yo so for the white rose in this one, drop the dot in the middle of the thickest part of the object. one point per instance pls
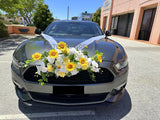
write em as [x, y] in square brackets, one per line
[95, 64]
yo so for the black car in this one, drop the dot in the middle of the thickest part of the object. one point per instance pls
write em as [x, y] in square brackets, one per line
[78, 89]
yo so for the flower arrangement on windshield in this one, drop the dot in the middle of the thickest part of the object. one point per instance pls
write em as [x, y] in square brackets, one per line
[64, 61]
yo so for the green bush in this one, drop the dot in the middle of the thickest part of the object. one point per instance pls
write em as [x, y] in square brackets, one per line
[15, 22]
[3, 30]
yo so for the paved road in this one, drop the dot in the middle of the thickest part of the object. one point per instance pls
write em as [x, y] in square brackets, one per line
[140, 101]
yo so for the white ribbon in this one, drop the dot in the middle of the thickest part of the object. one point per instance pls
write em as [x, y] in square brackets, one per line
[80, 46]
[51, 40]
[89, 41]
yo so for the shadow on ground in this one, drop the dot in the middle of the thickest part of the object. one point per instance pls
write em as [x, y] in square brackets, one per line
[10, 43]
[104, 111]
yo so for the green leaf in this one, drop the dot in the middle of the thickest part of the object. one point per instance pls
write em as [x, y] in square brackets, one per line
[45, 54]
[96, 52]
[85, 53]
[71, 57]
[42, 83]
[101, 54]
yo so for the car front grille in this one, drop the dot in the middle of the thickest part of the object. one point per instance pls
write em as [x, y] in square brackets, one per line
[81, 78]
[69, 99]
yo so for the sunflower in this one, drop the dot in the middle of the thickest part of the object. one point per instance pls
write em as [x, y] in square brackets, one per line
[82, 61]
[36, 56]
[53, 53]
[70, 66]
[65, 51]
[99, 58]
[61, 45]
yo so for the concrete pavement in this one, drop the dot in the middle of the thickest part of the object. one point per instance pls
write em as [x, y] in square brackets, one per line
[140, 101]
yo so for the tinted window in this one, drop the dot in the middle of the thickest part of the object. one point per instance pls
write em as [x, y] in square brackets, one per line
[73, 29]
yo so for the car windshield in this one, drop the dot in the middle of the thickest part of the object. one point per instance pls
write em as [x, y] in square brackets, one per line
[73, 29]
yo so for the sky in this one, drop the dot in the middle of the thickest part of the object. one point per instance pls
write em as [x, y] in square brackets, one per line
[59, 7]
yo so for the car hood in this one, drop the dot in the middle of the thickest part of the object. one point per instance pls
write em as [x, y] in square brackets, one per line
[39, 44]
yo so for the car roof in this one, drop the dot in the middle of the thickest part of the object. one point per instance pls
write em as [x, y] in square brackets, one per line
[74, 21]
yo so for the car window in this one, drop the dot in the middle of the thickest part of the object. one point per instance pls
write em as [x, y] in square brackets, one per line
[73, 29]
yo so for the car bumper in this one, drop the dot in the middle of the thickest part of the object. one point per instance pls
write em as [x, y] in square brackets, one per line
[93, 93]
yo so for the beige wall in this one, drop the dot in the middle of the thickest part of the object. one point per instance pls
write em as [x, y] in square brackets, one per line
[123, 6]
[19, 19]
[137, 6]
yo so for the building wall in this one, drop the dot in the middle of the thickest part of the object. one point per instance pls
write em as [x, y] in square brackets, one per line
[9, 19]
[120, 7]
[123, 6]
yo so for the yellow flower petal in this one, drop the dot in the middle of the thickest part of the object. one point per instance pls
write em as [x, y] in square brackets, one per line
[70, 66]
[62, 74]
[59, 66]
[36, 56]
[66, 60]
[53, 53]
[86, 46]
[49, 68]
[61, 45]
[99, 58]
[66, 50]
[82, 61]
[84, 66]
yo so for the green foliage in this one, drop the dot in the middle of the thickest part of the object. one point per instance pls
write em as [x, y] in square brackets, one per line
[42, 17]
[15, 22]
[85, 53]
[24, 8]
[7, 22]
[27, 62]
[71, 57]
[96, 16]
[96, 54]
[3, 30]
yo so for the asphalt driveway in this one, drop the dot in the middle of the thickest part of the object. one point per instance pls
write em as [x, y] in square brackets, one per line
[140, 101]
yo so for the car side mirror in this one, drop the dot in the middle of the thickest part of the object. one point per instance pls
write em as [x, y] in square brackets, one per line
[107, 33]
[38, 31]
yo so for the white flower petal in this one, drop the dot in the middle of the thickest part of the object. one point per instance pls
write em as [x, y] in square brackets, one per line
[74, 72]
[44, 69]
[51, 60]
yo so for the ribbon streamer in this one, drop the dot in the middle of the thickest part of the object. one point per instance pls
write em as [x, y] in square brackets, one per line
[89, 41]
[80, 46]
[51, 40]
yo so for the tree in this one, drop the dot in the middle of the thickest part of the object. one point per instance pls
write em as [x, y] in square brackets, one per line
[24, 8]
[96, 16]
[42, 17]
[3, 29]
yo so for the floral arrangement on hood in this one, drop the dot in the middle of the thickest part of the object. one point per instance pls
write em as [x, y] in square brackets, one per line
[64, 61]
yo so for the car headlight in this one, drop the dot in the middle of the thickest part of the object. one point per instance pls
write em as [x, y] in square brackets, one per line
[121, 65]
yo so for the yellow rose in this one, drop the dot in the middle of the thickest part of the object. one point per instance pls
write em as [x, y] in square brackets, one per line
[53, 53]
[66, 50]
[84, 66]
[70, 66]
[62, 74]
[66, 60]
[36, 56]
[99, 58]
[49, 68]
